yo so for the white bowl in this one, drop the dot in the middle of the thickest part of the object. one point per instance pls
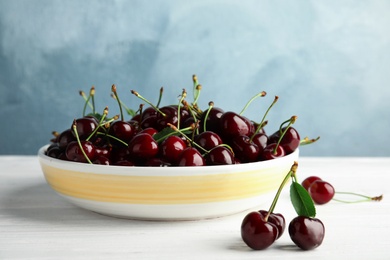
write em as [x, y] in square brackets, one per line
[166, 193]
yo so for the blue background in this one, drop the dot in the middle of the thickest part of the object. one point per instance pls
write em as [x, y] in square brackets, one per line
[328, 61]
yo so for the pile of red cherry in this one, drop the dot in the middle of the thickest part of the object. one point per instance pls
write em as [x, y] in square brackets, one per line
[172, 135]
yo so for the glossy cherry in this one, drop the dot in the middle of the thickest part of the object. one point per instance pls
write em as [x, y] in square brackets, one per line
[321, 192]
[85, 127]
[212, 120]
[307, 233]
[121, 130]
[143, 146]
[258, 233]
[244, 149]
[191, 157]
[277, 219]
[309, 180]
[208, 140]
[290, 140]
[232, 124]
[65, 138]
[270, 152]
[74, 153]
[261, 140]
[171, 148]
[220, 155]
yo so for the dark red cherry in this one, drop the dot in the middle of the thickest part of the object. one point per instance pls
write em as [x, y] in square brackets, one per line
[65, 138]
[309, 180]
[232, 124]
[171, 148]
[220, 155]
[119, 153]
[244, 149]
[208, 140]
[321, 192]
[150, 130]
[270, 153]
[149, 122]
[191, 157]
[277, 219]
[307, 233]
[143, 146]
[121, 130]
[74, 153]
[149, 111]
[212, 120]
[261, 140]
[290, 140]
[54, 150]
[170, 117]
[257, 233]
[85, 126]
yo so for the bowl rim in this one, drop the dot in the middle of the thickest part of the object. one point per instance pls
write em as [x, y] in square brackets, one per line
[161, 171]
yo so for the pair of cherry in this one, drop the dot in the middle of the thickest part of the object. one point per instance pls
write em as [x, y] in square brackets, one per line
[260, 229]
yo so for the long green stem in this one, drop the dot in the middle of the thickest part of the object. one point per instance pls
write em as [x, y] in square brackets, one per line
[113, 89]
[291, 173]
[261, 94]
[147, 101]
[365, 197]
[290, 122]
[260, 126]
[79, 142]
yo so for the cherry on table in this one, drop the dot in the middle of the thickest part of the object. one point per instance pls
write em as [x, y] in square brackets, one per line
[307, 233]
[309, 180]
[321, 192]
[258, 233]
[277, 219]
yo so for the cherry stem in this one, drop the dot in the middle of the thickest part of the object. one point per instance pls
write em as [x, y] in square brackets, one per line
[92, 94]
[86, 102]
[261, 124]
[113, 89]
[147, 101]
[366, 198]
[129, 111]
[290, 122]
[105, 113]
[211, 104]
[290, 174]
[160, 96]
[183, 96]
[306, 140]
[115, 138]
[196, 88]
[79, 142]
[86, 99]
[261, 94]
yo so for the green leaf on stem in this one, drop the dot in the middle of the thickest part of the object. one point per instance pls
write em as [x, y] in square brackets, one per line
[301, 200]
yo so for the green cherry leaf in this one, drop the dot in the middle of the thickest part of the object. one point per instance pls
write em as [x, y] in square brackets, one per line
[301, 200]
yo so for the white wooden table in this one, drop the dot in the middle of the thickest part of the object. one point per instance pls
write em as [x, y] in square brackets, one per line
[36, 223]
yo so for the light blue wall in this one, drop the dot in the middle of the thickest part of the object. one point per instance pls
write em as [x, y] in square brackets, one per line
[328, 61]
